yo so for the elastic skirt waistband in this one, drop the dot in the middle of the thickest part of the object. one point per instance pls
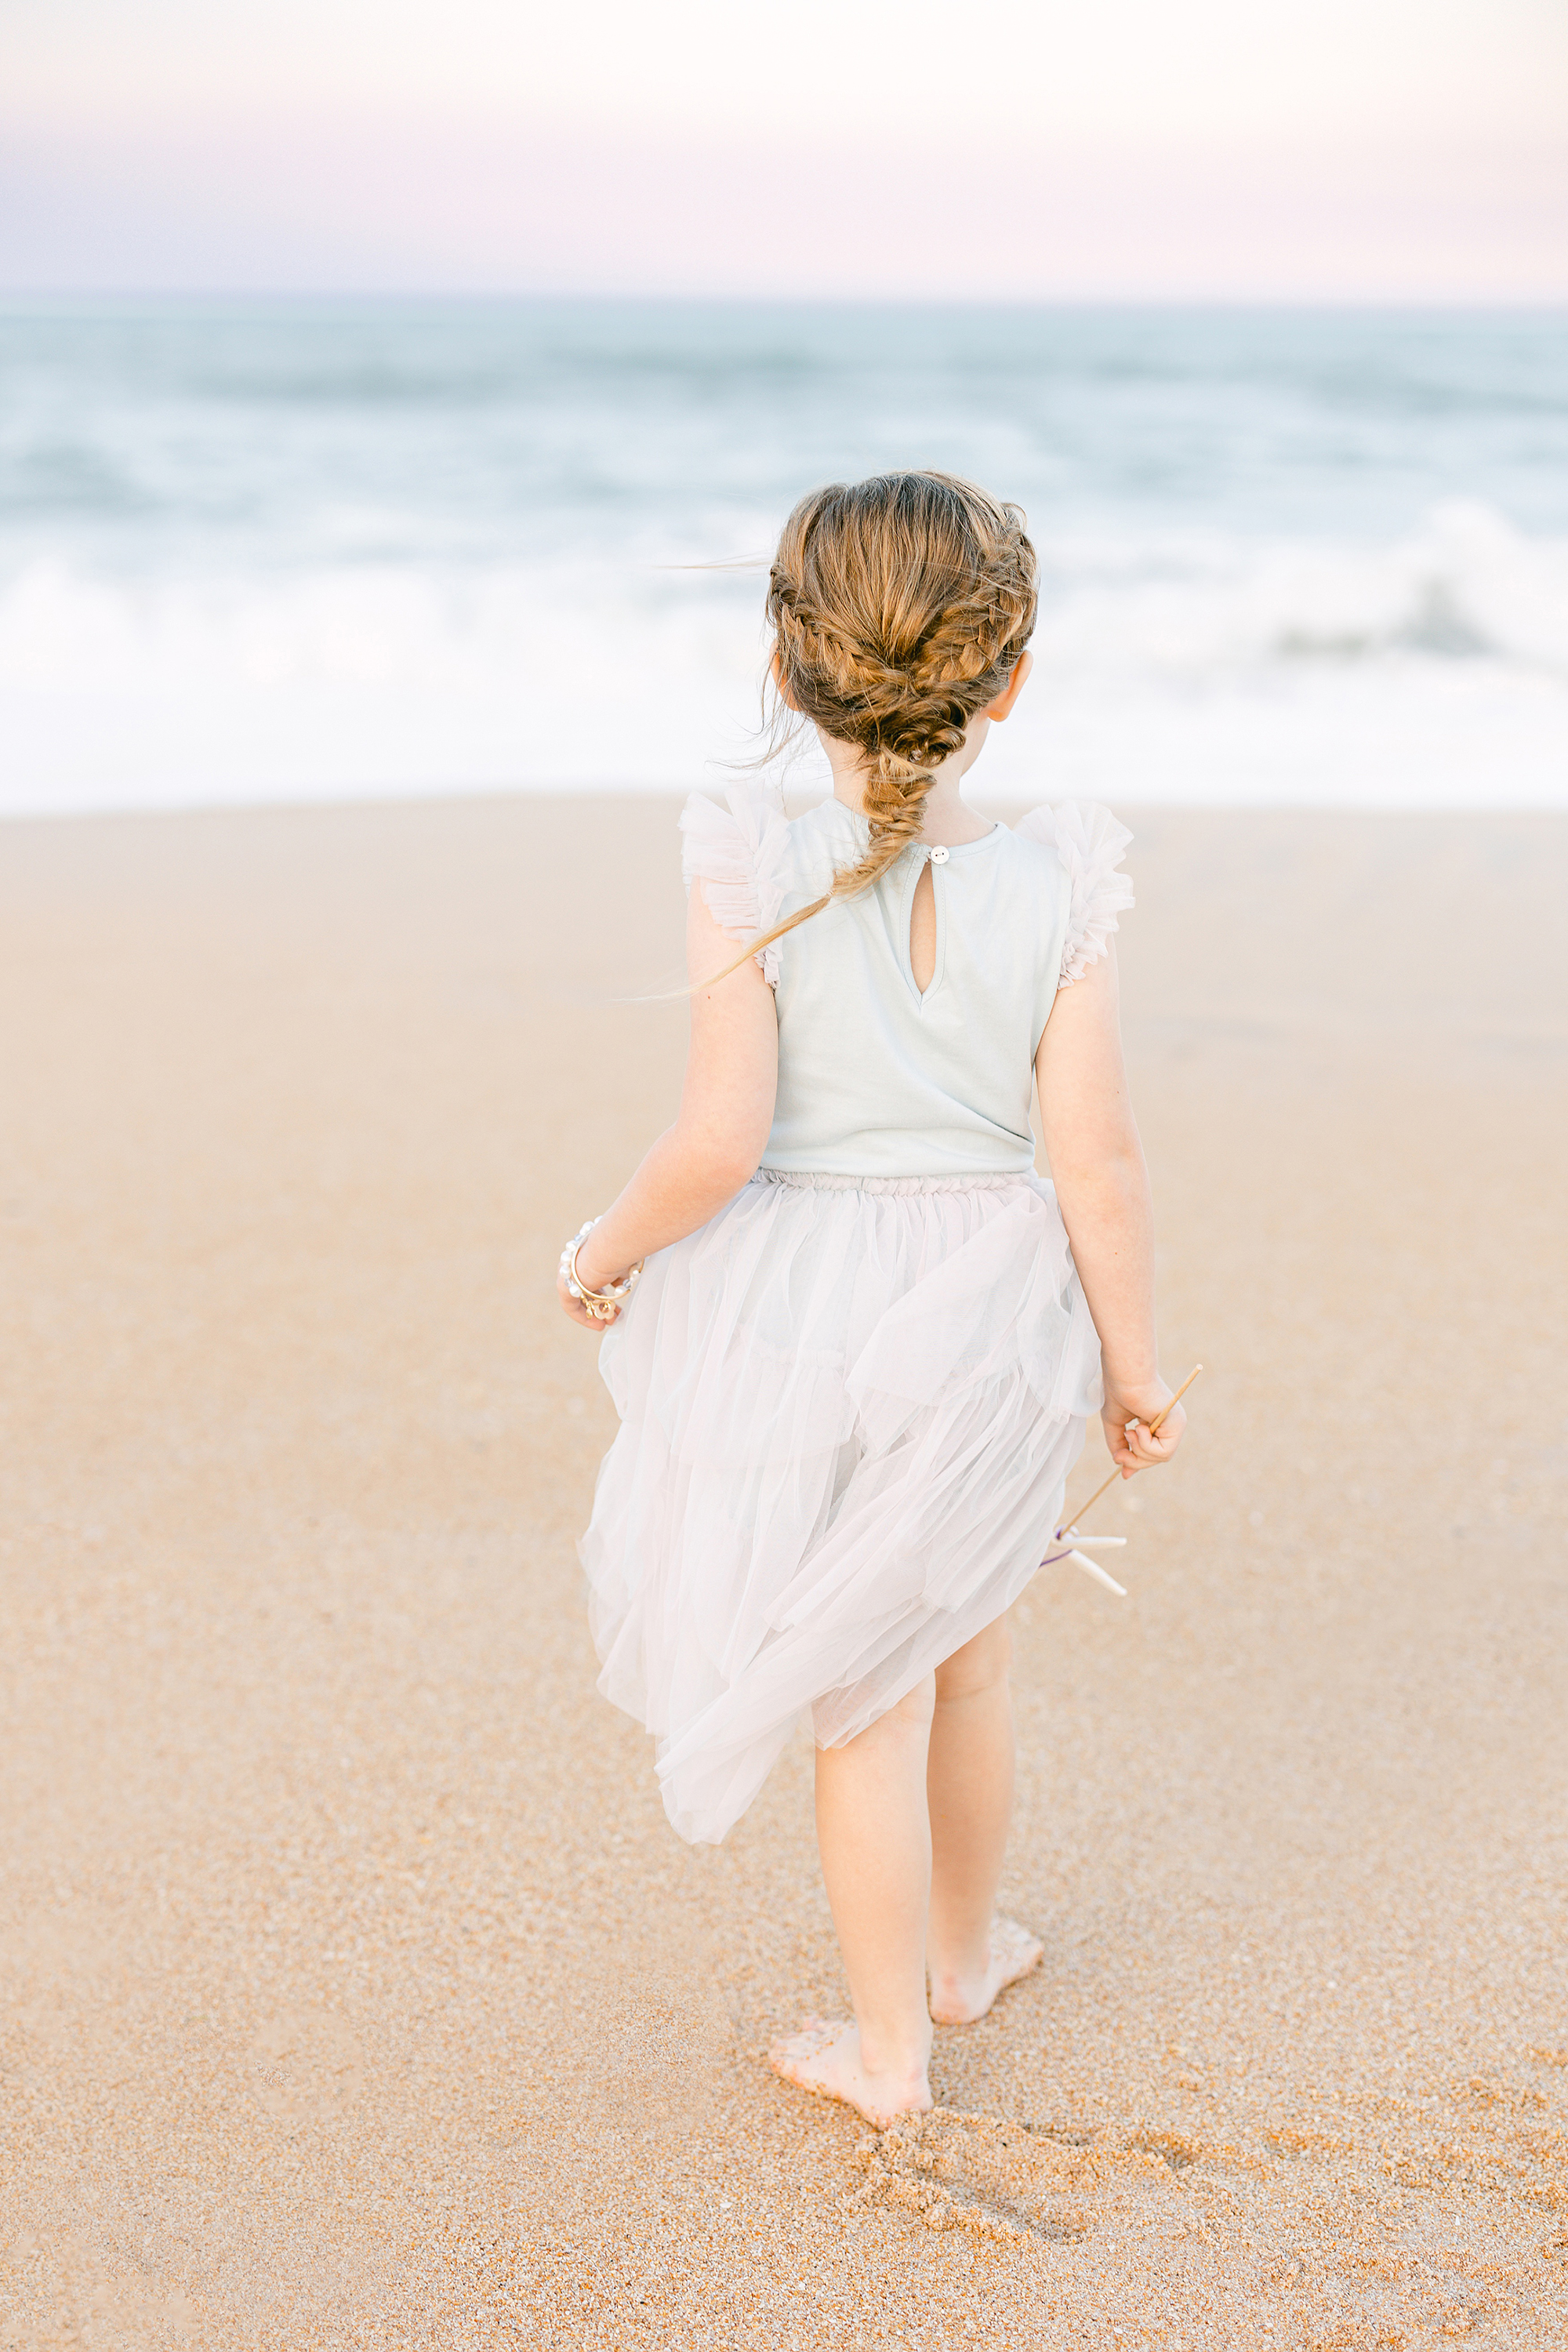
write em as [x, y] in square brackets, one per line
[821, 1181]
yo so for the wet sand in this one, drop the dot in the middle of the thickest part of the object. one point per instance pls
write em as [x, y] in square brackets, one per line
[356, 1993]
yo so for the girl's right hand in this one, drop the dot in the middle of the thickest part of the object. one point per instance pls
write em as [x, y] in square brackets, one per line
[579, 1314]
[1140, 1448]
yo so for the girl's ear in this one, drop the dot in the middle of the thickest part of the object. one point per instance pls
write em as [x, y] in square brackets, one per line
[1002, 706]
[781, 683]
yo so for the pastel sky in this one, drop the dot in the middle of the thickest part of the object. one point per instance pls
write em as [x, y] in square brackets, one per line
[1114, 148]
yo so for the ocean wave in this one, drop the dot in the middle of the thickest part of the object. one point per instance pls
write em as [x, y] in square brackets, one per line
[1465, 587]
[311, 679]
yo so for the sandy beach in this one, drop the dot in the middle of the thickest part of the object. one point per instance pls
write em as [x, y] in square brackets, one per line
[355, 1992]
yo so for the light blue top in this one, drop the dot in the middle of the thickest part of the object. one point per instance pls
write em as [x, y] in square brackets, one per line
[875, 1078]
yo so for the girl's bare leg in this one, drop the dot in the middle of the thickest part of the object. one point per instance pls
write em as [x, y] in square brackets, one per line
[875, 1838]
[973, 1954]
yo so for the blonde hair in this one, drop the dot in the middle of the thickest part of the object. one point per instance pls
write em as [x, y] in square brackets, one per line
[899, 606]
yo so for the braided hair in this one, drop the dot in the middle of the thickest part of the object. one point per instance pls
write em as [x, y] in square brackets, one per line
[899, 606]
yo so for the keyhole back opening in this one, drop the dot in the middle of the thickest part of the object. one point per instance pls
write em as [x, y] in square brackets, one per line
[922, 929]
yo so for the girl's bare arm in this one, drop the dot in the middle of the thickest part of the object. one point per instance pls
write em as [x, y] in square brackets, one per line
[721, 1130]
[1102, 1186]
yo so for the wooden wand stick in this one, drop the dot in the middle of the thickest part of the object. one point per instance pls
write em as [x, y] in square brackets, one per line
[1085, 1508]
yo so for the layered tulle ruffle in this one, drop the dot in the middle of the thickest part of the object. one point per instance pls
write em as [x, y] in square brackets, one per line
[741, 855]
[1091, 843]
[849, 1410]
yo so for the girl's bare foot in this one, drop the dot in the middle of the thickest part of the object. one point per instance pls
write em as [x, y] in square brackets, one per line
[825, 2058]
[959, 2000]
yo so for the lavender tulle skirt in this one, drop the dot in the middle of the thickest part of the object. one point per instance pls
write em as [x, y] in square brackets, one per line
[848, 1409]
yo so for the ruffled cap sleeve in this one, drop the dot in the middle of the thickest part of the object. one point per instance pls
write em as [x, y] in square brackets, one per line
[737, 856]
[1089, 843]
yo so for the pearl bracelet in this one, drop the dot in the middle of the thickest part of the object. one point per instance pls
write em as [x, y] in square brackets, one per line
[600, 1304]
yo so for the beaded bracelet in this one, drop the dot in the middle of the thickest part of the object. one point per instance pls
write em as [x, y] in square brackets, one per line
[601, 1304]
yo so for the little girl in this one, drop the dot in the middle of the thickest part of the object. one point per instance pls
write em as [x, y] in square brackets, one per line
[866, 1338]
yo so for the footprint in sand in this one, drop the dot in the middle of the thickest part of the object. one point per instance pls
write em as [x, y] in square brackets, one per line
[1018, 2184]
[980, 2173]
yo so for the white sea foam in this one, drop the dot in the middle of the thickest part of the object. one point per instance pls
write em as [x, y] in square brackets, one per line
[1205, 610]
[1434, 669]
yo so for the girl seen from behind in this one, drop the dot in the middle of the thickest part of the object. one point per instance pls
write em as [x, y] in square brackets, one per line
[857, 1364]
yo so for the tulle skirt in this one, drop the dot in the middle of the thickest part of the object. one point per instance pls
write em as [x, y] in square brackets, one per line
[848, 1409]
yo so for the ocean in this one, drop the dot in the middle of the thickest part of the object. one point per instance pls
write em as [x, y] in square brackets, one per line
[298, 551]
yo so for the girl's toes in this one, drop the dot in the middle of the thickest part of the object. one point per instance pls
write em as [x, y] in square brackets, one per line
[1010, 1952]
[1015, 1950]
[792, 2054]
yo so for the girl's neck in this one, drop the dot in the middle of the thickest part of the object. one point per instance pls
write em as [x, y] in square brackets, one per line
[946, 821]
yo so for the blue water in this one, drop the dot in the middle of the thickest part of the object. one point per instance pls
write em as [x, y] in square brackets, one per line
[303, 550]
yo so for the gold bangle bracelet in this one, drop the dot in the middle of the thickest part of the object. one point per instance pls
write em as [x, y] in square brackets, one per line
[600, 1304]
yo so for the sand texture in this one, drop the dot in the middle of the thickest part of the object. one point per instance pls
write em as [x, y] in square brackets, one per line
[357, 1993]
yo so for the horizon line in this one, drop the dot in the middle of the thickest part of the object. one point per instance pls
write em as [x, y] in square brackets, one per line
[1533, 304]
